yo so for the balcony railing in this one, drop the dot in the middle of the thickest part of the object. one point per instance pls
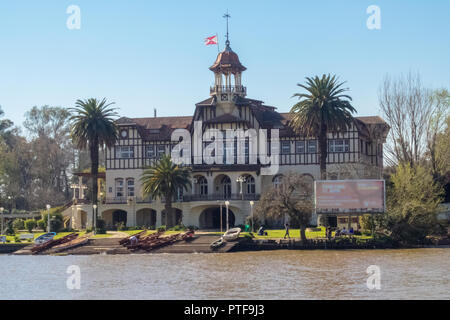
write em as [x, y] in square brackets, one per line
[215, 197]
[126, 200]
[228, 89]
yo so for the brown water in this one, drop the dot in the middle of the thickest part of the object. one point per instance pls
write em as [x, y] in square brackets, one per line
[405, 274]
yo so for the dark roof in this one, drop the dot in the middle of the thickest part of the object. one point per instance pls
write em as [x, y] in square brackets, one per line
[227, 61]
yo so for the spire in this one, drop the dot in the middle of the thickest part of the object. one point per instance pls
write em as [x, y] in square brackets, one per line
[227, 42]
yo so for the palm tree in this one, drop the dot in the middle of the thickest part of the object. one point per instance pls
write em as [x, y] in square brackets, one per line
[93, 127]
[163, 179]
[324, 108]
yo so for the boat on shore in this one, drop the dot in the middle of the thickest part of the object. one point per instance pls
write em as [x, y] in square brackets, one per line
[232, 234]
[45, 237]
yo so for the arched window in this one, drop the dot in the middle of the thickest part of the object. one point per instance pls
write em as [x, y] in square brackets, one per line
[119, 187]
[202, 183]
[130, 187]
[226, 187]
[250, 185]
[277, 180]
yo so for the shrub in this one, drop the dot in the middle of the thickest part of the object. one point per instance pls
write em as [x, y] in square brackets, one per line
[55, 225]
[192, 227]
[9, 229]
[41, 224]
[121, 226]
[100, 224]
[16, 239]
[18, 224]
[161, 228]
[30, 224]
[178, 227]
[100, 231]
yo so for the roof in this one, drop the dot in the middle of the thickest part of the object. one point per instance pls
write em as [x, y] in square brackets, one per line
[227, 61]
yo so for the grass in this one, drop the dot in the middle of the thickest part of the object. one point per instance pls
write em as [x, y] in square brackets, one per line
[58, 236]
[271, 234]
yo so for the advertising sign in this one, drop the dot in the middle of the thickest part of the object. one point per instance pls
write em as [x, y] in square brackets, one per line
[349, 196]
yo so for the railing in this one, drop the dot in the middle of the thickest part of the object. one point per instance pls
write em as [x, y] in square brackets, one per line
[215, 197]
[126, 200]
[228, 89]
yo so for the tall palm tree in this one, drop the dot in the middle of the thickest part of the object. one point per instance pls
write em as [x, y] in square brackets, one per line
[163, 179]
[93, 127]
[323, 109]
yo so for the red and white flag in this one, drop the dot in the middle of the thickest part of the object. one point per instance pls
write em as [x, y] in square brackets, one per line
[211, 40]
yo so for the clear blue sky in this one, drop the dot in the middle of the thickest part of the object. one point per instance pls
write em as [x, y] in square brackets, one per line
[146, 54]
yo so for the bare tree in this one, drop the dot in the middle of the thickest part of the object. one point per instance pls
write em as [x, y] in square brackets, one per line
[407, 106]
[292, 197]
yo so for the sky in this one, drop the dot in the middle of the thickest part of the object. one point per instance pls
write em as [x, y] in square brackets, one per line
[150, 54]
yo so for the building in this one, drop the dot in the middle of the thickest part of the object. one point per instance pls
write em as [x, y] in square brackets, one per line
[357, 153]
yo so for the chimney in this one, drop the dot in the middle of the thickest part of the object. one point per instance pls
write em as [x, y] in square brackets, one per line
[154, 112]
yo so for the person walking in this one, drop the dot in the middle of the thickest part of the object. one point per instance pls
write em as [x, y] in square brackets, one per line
[286, 226]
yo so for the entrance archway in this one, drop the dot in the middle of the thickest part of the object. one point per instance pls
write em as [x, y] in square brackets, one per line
[119, 216]
[146, 218]
[210, 218]
[173, 219]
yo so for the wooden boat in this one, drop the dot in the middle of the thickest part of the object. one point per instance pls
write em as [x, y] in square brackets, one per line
[232, 234]
[51, 243]
[44, 237]
[71, 244]
[126, 241]
[155, 241]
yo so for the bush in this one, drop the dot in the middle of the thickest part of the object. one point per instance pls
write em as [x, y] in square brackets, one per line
[56, 225]
[178, 227]
[18, 224]
[100, 231]
[9, 229]
[41, 224]
[16, 239]
[100, 224]
[121, 226]
[192, 227]
[161, 228]
[30, 224]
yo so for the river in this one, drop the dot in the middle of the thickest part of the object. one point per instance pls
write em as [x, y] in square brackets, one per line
[284, 274]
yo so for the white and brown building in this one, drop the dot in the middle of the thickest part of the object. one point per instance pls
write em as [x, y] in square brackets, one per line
[355, 154]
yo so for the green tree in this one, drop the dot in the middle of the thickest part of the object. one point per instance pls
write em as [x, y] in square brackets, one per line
[412, 204]
[30, 224]
[163, 179]
[323, 109]
[18, 224]
[93, 127]
[293, 197]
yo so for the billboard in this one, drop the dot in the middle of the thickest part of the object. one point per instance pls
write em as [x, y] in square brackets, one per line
[349, 196]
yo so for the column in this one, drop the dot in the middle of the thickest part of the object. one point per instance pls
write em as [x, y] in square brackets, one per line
[158, 218]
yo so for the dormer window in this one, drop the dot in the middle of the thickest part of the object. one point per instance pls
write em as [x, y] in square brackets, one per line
[154, 131]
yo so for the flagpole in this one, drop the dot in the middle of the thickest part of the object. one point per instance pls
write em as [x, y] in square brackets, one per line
[217, 37]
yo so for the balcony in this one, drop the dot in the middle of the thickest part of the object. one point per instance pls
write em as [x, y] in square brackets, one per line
[228, 89]
[126, 200]
[215, 197]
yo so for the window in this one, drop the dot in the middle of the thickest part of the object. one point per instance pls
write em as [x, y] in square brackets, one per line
[124, 152]
[299, 146]
[312, 146]
[202, 185]
[150, 151]
[277, 181]
[179, 196]
[119, 188]
[161, 150]
[339, 145]
[250, 182]
[130, 187]
[285, 147]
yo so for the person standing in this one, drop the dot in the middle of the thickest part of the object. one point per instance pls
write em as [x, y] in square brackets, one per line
[286, 226]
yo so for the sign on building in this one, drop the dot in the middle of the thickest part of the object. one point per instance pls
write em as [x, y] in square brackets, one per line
[349, 196]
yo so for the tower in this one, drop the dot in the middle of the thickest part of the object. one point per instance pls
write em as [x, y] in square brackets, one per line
[227, 68]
